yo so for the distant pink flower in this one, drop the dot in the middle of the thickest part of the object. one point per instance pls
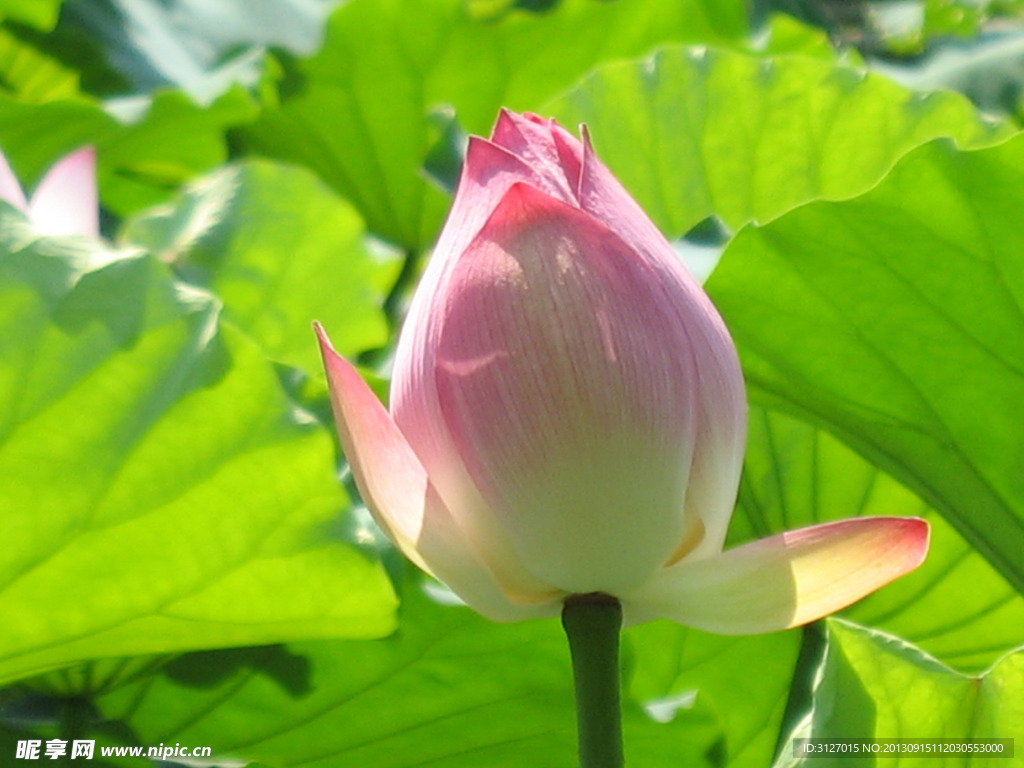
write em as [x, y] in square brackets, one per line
[65, 202]
[568, 416]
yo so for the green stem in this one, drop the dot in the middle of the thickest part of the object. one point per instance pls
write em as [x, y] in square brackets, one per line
[592, 623]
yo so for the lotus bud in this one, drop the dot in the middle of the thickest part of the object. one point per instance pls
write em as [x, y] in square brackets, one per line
[567, 415]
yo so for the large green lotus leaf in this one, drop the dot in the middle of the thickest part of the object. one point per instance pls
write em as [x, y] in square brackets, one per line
[894, 319]
[358, 112]
[448, 689]
[695, 132]
[956, 606]
[875, 685]
[153, 147]
[280, 249]
[160, 493]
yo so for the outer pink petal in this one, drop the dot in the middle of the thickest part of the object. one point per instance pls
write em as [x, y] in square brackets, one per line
[398, 493]
[723, 418]
[564, 374]
[786, 580]
[66, 201]
[488, 174]
[10, 189]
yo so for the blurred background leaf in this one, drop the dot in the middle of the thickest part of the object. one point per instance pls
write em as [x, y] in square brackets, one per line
[332, 118]
[30, 74]
[281, 250]
[971, 46]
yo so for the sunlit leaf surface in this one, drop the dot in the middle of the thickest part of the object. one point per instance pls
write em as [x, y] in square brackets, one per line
[159, 491]
[280, 250]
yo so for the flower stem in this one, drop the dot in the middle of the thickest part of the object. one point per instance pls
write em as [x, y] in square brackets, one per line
[592, 623]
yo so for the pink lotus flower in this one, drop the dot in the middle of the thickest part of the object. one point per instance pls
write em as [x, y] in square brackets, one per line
[568, 416]
[65, 202]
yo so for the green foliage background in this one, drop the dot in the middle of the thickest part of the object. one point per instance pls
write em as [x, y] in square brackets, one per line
[182, 558]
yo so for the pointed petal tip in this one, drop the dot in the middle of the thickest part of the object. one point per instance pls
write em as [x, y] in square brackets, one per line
[847, 560]
[507, 120]
[916, 534]
[83, 159]
[335, 366]
[486, 158]
[321, 335]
